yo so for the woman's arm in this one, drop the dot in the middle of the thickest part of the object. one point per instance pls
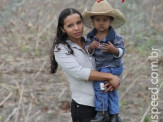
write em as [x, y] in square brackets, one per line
[70, 64]
[113, 79]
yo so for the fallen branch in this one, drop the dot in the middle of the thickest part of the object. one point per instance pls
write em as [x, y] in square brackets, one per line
[129, 87]
[35, 114]
[20, 99]
[62, 93]
[34, 98]
[30, 70]
[132, 84]
[142, 120]
[13, 112]
[8, 86]
[5, 99]
[29, 110]
[42, 67]
[38, 118]
[39, 34]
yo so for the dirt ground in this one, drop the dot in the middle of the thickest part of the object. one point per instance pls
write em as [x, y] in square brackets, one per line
[28, 93]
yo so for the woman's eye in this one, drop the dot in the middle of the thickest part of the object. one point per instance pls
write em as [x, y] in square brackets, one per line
[69, 26]
[79, 22]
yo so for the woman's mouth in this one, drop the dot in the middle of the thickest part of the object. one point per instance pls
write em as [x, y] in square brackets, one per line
[77, 34]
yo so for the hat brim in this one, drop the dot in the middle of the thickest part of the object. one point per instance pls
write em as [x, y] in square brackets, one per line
[119, 18]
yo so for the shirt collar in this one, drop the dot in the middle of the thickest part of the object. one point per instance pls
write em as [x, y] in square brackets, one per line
[110, 35]
[72, 44]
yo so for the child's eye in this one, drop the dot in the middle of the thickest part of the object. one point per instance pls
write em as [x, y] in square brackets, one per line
[106, 20]
[97, 20]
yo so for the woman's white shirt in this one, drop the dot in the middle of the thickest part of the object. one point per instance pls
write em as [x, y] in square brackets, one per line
[77, 68]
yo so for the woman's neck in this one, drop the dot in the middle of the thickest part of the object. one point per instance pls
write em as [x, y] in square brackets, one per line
[77, 41]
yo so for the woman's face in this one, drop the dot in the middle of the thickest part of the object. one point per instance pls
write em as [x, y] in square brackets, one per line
[73, 27]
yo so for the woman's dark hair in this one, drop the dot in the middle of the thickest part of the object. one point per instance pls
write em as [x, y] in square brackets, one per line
[61, 37]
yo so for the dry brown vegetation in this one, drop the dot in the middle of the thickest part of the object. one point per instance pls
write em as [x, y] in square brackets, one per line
[28, 93]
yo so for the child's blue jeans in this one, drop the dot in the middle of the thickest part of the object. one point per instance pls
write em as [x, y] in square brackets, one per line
[108, 101]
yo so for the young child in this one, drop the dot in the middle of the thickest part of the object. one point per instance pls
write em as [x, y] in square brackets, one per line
[107, 47]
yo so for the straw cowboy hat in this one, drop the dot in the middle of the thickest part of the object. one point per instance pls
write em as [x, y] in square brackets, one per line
[102, 7]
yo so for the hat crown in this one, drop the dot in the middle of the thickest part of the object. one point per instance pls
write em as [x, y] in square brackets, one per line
[101, 7]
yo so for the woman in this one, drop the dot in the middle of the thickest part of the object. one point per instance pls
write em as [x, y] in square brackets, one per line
[69, 52]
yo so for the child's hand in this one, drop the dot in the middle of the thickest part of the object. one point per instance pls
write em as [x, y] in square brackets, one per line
[112, 84]
[108, 86]
[109, 47]
[94, 45]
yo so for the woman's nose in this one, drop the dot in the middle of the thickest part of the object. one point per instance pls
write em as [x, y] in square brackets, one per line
[76, 27]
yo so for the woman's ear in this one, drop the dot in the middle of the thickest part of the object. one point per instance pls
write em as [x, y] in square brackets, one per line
[62, 30]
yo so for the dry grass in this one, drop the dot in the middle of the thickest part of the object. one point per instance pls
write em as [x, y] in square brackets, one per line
[28, 93]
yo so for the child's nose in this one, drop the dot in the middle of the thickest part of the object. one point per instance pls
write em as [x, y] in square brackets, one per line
[101, 22]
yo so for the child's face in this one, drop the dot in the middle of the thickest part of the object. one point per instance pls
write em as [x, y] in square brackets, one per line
[101, 23]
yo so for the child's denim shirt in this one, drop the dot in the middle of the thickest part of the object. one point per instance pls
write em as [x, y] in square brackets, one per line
[105, 59]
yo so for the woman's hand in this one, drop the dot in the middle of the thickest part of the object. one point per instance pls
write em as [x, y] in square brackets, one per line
[113, 83]
[114, 80]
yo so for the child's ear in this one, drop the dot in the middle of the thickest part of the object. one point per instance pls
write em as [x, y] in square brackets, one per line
[111, 19]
